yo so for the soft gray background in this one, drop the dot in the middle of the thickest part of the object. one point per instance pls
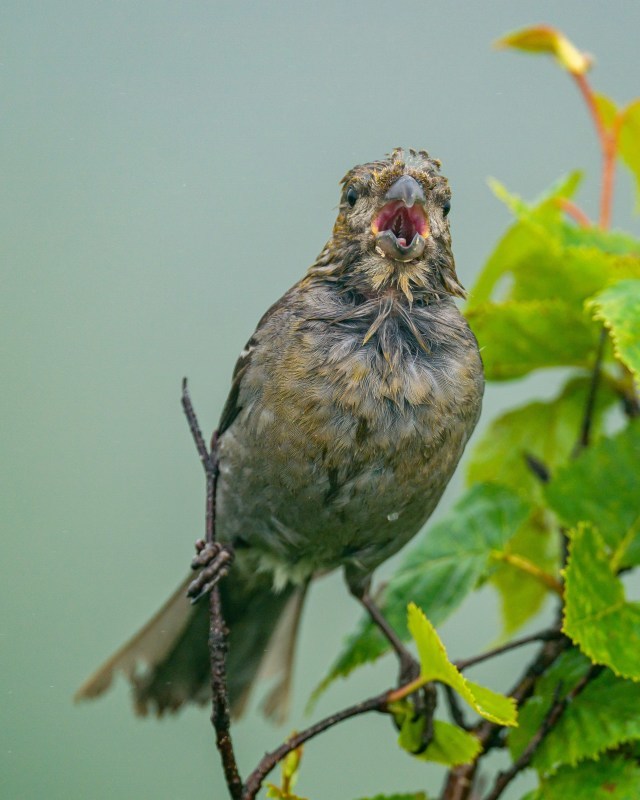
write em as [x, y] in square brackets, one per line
[169, 170]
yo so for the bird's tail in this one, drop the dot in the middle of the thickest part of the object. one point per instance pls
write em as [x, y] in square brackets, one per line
[173, 648]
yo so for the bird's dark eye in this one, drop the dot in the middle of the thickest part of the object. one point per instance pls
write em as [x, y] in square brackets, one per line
[351, 196]
[446, 207]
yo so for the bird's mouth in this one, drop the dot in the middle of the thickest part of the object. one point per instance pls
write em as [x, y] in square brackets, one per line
[400, 231]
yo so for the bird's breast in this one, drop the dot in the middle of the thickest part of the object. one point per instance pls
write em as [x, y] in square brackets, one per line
[344, 444]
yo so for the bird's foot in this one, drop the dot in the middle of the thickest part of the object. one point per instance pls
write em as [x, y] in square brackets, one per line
[423, 700]
[213, 560]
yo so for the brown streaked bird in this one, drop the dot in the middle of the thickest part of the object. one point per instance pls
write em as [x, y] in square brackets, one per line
[349, 409]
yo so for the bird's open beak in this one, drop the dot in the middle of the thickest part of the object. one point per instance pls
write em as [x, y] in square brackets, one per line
[400, 227]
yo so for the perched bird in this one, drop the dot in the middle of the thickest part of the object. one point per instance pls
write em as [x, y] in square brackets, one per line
[349, 409]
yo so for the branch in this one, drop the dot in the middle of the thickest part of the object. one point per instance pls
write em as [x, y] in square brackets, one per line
[459, 782]
[455, 710]
[220, 714]
[269, 760]
[551, 719]
[541, 636]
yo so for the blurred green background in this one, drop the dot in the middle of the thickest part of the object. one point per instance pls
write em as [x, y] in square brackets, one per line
[169, 169]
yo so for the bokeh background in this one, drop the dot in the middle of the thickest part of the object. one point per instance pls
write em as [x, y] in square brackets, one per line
[169, 169]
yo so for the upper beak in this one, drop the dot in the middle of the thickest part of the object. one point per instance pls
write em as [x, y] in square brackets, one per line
[406, 189]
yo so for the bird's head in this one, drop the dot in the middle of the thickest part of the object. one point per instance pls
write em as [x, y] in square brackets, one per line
[392, 230]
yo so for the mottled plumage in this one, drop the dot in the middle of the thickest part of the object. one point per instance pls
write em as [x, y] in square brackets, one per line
[349, 410]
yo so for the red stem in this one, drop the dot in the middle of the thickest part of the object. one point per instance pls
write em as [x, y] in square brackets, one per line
[572, 210]
[608, 139]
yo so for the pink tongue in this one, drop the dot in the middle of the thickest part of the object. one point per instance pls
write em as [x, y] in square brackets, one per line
[402, 242]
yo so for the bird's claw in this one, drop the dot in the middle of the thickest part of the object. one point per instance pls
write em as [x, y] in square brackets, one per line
[213, 560]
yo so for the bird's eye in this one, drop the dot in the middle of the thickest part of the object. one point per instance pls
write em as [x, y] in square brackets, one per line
[446, 207]
[351, 196]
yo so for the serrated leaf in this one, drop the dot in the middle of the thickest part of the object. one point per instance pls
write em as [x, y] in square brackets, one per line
[618, 307]
[550, 41]
[521, 595]
[547, 430]
[438, 573]
[542, 253]
[596, 615]
[527, 240]
[517, 338]
[628, 146]
[602, 717]
[602, 486]
[580, 270]
[435, 666]
[610, 778]
[450, 746]
[616, 243]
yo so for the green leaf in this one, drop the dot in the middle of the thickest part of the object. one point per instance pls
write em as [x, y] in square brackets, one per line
[410, 796]
[544, 254]
[435, 666]
[446, 564]
[603, 716]
[527, 241]
[619, 308]
[277, 793]
[521, 595]
[596, 615]
[547, 430]
[548, 40]
[628, 146]
[610, 778]
[451, 745]
[602, 486]
[289, 767]
[577, 271]
[519, 337]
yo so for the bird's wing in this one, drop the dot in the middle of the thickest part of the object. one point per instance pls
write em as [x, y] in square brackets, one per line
[232, 406]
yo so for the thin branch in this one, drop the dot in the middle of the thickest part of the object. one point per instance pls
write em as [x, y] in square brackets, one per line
[220, 713]
[194, 427]
[459, 781]
[587, 419]
[269, 761]
[541, 636]
[551, 719]
[455, 708]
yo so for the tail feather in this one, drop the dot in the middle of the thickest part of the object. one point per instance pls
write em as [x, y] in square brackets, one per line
[173, 648]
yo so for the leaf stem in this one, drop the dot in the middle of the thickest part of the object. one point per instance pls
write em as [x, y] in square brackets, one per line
[587, 420]
[459, 782]
[608, 139]
[524, 565]
[269, 760]
[570, 208]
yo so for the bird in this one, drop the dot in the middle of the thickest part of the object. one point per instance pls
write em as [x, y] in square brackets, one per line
[349, 409]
